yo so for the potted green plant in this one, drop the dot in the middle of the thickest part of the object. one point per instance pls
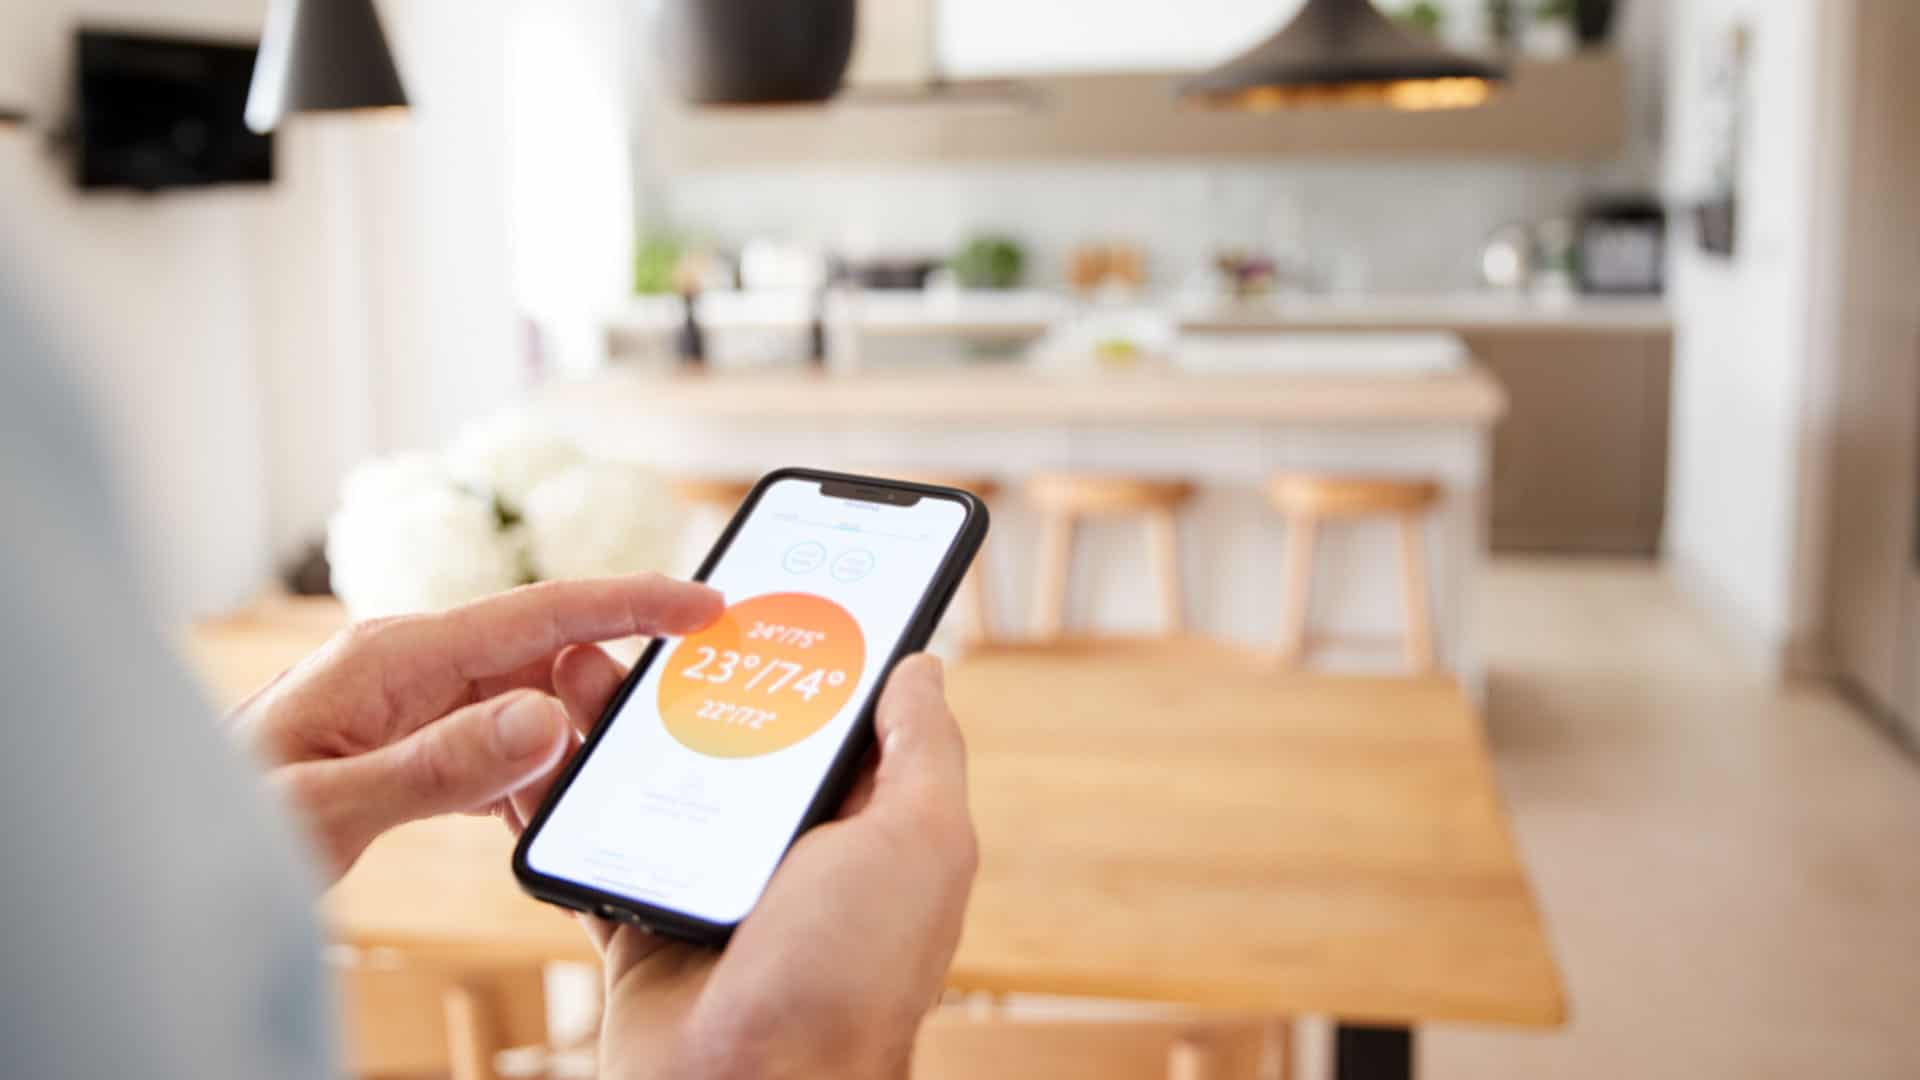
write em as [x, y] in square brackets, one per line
[655, 262]
[990, 262]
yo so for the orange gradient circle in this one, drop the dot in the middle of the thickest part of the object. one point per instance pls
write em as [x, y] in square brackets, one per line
[771, 672]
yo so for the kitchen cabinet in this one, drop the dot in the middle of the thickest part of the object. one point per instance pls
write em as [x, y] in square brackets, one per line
[1580, 460]
[1580, 463]
[1138, 116]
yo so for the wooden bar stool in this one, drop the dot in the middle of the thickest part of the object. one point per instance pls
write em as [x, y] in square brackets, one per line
[1065, 498]
[720, 495]
[1307, 500]
[976, 592]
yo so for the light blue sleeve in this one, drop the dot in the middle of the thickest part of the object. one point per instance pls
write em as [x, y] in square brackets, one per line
[155, 908]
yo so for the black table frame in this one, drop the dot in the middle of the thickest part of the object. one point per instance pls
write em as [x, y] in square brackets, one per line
[1364, 1052]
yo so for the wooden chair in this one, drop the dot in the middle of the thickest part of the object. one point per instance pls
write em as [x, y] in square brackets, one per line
[1064, 499]
[1308, 500]
[975, 595]
[954, 1046]
[428, 1020]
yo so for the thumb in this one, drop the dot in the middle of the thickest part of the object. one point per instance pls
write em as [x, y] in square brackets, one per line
[466, 759]
[923, 757]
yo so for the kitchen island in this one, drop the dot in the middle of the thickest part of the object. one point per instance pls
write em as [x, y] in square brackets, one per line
[1430, 414]
[1579, 462]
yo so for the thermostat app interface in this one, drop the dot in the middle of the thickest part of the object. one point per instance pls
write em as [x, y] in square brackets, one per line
[688, 801]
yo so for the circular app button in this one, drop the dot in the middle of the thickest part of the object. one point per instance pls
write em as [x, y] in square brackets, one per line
[853, 565]
[804, 557]
[771, 672]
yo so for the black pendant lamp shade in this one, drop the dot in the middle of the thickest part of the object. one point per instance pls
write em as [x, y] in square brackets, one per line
[1345, 52]
[758, 52]
[322, 56]
[11, 118]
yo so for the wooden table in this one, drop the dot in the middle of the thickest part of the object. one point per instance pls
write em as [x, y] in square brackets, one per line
[1157, 822]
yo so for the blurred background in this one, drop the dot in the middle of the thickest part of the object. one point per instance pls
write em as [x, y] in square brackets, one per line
[1562, 353]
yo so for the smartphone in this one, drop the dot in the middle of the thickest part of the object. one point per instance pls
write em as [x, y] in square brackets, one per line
[722, 747]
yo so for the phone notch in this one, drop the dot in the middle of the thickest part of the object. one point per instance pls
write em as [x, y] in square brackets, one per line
[848, 489]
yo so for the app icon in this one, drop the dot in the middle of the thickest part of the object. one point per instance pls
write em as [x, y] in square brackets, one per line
[804, 557]
[852, 565]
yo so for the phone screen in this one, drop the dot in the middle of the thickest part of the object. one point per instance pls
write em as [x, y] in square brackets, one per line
[689, 799]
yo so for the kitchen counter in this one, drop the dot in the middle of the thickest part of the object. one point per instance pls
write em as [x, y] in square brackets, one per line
[1458, 312]
[1003, 395]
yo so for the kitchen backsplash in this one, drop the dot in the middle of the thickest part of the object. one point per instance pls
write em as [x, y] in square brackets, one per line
[1382, 226]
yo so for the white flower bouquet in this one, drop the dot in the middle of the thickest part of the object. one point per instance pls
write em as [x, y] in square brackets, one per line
[509, 503]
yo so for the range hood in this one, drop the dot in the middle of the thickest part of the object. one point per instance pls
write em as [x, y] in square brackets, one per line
[1346, 53]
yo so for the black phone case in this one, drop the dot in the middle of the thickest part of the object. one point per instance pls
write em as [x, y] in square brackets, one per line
[846, 764]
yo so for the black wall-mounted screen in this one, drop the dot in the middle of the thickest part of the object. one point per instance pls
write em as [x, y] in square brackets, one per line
[162, 112]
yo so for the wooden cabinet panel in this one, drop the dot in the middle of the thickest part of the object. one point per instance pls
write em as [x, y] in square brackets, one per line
[1580, 462]
[1136, 115]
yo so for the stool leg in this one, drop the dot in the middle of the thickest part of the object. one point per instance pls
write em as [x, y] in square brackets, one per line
[1301, 532]
[1163, 534]
[1056, 558]
[1413, 561]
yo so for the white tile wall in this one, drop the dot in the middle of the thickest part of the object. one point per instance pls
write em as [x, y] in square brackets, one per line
[1411, 226]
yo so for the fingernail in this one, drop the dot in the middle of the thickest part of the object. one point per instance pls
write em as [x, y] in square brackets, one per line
[525, 726]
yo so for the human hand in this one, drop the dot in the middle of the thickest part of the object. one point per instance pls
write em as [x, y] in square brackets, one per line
[832, 972]
[405, 718]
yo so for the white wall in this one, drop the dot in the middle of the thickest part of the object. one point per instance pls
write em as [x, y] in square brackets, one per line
[571, 104]
[244, 346]
[158, 301]
[1741, 359]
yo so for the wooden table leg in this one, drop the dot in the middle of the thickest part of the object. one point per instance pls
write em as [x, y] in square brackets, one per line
[1372, 1053]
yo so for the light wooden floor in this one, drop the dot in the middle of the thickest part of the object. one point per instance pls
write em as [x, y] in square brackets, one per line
[1731, 873]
